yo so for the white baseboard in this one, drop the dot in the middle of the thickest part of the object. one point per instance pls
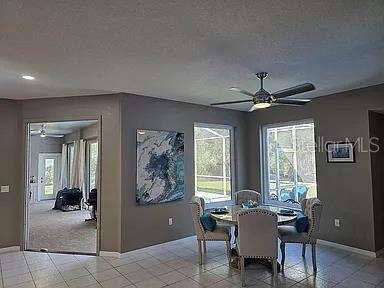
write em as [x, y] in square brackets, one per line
[10, 249]
[350, 249]
[110, 254]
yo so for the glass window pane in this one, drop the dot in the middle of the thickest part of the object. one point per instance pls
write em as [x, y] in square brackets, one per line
[213, 163]
[284, 138]
[48, 190]
[286, 167]
[290, 163]
[49, 176]
[93, 155]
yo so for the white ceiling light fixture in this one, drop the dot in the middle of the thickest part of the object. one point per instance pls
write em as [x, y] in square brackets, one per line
[43, 134]
[260, 105]
[28, 77]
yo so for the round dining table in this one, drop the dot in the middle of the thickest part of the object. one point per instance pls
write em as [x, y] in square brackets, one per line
[230, 217]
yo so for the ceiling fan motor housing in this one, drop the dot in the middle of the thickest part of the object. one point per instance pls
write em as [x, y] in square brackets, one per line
[262, 96]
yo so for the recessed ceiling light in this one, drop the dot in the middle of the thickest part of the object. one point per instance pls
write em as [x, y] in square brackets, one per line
[28, 77]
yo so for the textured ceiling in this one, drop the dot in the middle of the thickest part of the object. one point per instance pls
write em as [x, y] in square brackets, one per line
[188, 50]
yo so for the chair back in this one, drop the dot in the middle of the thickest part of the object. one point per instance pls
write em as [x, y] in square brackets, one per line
[243, 196]
[257, 236]
[196, 205]
[312, 208]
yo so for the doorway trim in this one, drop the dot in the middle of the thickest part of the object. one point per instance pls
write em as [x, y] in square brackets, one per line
[24, 231]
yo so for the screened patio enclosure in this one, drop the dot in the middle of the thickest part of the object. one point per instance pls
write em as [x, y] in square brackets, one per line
[213, 162]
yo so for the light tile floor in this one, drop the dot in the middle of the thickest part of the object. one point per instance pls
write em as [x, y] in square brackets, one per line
[174, 265]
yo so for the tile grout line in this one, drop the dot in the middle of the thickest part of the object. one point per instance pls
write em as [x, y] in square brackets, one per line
[154, 275]
[58, 270]
[29, 269]
[125, 277]
[85, 267]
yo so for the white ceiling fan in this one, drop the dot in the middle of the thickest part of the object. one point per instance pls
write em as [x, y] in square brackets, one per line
[43, 133]
[264, 99]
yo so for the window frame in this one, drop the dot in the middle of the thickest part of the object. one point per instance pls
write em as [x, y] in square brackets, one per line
[232, 162]
[264, 156]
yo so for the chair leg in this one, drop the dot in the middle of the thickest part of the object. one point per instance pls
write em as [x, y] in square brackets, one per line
[274, 267]
[282, 248]
[200, 252]
[314, 258]
[205, 247]
[242, 271]
[303, 250]
[228, 243]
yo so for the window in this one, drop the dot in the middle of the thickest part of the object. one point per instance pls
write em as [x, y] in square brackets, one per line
[213, 162]
[49, 171]
[93, 153]
[289, 163]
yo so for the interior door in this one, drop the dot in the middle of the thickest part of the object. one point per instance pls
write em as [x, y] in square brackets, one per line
[48, 175]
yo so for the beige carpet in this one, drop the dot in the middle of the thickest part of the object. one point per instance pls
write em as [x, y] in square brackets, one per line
[60, 231]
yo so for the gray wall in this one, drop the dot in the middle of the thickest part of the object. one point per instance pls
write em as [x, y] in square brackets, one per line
[148, 225]
[89, 132]
[41, 145]
[376, 129]
[85, 108]
[10, 173]
[345, 189]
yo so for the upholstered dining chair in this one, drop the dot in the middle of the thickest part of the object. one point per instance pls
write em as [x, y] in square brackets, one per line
[219, 234]
[312, 208]
[257, 237]
[243, 196]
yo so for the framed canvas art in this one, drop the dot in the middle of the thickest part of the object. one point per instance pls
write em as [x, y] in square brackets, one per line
[340, 152]
[160, 166]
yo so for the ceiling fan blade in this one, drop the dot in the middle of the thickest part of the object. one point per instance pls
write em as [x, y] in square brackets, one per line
[231, 102]
[296, 102]
[294, 90]
[253, 108]
[55, 135]
[235, 89]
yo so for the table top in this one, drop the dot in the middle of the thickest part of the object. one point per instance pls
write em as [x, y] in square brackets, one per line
[230, 218]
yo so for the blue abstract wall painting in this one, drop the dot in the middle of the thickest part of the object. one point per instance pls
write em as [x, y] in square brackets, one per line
[160, 166]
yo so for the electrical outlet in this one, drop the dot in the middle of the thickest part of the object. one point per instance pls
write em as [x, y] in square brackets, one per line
[4, 189]
[337, 222]
[170, 221]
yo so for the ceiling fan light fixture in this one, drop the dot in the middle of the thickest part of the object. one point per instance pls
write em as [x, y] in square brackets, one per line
[43, 134]
[264, 99]
[262, 105]
[28, 77]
